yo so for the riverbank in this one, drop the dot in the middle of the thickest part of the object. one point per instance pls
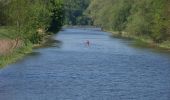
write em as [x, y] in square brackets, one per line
[12, 50]
[11, 56]
[15, 54]
[142, 40]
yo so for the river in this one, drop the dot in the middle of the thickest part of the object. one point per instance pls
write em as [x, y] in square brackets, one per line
[108, 69]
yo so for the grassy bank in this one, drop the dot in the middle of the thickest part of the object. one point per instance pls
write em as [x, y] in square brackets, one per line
[15, 55]
[143, 40]
[11, 55]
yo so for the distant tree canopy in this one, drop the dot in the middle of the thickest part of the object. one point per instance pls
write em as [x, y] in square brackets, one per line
[29, 18]
[149, 18]
[74, 12]
[137, 17]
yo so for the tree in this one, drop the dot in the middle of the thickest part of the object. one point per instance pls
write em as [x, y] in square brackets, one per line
[30, 20]
[136, 17]
[74, 12]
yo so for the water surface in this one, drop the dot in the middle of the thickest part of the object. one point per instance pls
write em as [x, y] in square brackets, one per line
[108, 69]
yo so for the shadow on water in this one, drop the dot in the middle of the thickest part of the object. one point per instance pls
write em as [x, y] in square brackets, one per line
[34, 54]
[51, 42]
[152, 47]
[142, 45]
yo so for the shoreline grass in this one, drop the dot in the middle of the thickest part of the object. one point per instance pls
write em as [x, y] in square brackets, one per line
[18, 53]
[15, 55]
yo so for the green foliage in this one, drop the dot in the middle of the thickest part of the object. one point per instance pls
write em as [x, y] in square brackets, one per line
[57, 15]
[137, 17]
[31, 19]
[74, 12]
[28, 21]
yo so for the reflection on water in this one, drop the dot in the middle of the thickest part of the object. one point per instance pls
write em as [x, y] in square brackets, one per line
[141, 45]
[150, 47]
[34, 53]
[52, 43]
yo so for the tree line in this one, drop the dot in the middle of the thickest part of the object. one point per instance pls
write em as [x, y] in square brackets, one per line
[28, 19]
[147, 18]
[31, 20]
[75, 12]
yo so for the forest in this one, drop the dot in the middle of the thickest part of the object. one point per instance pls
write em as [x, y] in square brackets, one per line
[146, 19]
[75, 12]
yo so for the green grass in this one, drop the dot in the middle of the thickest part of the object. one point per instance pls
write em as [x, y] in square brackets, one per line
[5, 59]
[144, 41]
[3, 32]
[15, 55]
[165, 44]
[7, 33]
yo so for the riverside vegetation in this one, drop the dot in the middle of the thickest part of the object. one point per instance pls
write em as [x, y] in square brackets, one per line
[25, 23]
[75, 12]
[144, 20]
